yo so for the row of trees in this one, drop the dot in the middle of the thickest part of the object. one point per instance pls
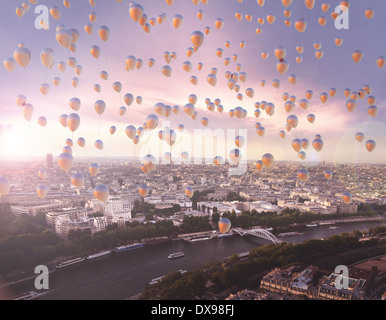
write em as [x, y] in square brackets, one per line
[236, 274]
[28, 250]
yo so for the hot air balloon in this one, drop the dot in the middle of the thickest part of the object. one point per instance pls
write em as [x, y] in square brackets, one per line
[65, 161]
[94, 169]
[101, 192]
[318, 144]
[42, 191]
[370, 145]
[152, 122]
[268, 160]
[42, 173]
[224, 225]
[189, 191]
[328, 174]
[218, 161]
[359, 136]
[303, 175]
[77, 180]
[296, 144]
[73, 121]
[144, 190]
[347, 197]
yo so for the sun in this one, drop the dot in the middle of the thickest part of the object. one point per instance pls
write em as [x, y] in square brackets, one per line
[13, 143]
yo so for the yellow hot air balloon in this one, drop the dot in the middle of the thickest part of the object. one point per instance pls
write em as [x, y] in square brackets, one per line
[347, 197]
[131, 131]
[212, 79]
[65, 161]
[42, 173]
[144, 190]
[359, 136]
[301, 25]
[318, 144]
[64, 38]
[303, 175]
[370, 145]
[218, 161]
[189, 191]
[372, 111]
[22, 56]
[42, 191]
[73, 121]
[296, 144]
[357, 56]
[77, 180]
[94, 169]
[81, 142]
[259, 165]
[268, 160]
[152, 122]
[338, 41]
[302, 155]
[292, 121]
[104, 33]
[224, 225]
[100, 107]
[219, 23]
[235, 155]
[381, 62]
[197, 38]
[239, 141]
[351, 105]
[178, 20]
[328, 174]
[101, 192]
[369, 13]
[136, 11]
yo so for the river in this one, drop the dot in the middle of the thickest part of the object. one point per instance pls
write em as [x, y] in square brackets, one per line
[121, 276]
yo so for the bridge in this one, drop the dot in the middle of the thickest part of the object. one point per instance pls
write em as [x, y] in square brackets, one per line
[260, 233]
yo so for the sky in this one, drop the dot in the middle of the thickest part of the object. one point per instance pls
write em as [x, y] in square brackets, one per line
[336, 69]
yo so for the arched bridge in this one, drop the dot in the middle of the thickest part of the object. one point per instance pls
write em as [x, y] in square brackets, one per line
[261, 233]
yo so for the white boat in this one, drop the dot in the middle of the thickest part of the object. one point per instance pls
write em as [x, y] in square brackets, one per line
[176, 255]
[69, 263]
[290, 234]
[327, 223]
[199, 238]
[225, 235]
[129, 247]
[312, 225]
[156, 280]
[333, 228]
[99, 255]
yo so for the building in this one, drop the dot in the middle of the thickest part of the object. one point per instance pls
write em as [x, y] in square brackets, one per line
[347, 209]
[66, 213]
[63, 226]
[32, 209]
[50, 161]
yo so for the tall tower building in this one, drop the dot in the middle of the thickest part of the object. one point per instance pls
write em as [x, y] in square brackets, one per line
[50, 161]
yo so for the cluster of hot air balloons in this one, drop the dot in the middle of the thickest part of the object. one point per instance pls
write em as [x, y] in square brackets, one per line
[198, 37]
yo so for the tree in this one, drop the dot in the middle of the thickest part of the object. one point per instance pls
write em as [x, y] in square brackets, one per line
[215, 217]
